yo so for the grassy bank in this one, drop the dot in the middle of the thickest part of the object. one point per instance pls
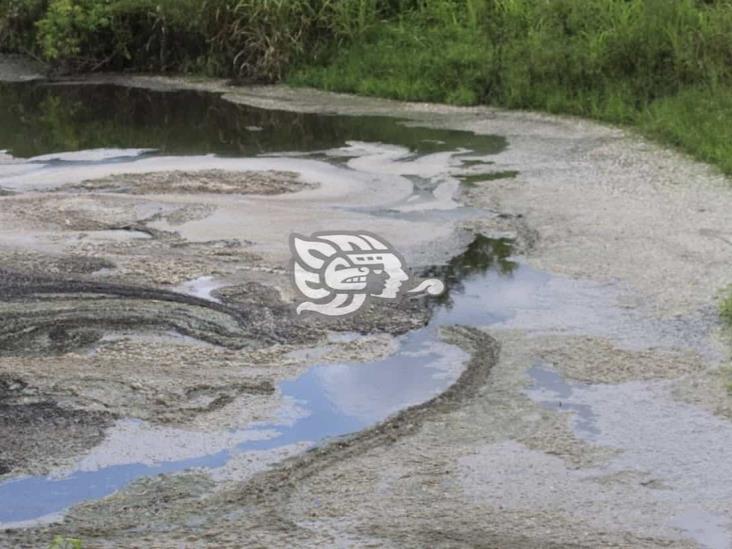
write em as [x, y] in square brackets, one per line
[663, 66]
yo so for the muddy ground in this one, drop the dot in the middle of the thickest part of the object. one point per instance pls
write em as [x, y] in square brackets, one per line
[637, 238]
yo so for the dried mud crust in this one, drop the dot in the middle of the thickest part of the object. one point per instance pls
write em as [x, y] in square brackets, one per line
[223, 514]
[31, 425]
[405, 482]
[165, 382]
[55, 341]
[203, 181]
[90, 212]
[394, 318]
[66, 213]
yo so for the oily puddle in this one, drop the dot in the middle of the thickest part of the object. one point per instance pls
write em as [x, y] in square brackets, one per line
[326, 401]
[486, 286]
[680, 449]
[57, 134]
[108, 124]
[39, 120]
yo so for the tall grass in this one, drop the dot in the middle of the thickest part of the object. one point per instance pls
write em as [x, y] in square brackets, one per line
[255, 39]
[664, 66]
[597, 57]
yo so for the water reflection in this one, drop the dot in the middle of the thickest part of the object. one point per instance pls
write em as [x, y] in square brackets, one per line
[482, 255]
[338, 398]
[37, 119]
[553, 392]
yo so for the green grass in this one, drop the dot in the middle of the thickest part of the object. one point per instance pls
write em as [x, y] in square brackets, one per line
[663, 67]
[697, 120]
[726, 308]
[60, 542]
[401, 62]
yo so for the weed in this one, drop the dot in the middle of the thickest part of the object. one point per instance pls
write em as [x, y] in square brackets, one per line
[60, 542]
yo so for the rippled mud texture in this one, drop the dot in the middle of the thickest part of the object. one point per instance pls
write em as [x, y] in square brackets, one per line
[55, 315]
[391, 317]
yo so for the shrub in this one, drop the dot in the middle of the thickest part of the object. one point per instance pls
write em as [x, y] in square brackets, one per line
[253, 39]
[17, 24]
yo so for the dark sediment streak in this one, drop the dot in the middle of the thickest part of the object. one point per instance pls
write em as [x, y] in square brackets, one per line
[43, 313]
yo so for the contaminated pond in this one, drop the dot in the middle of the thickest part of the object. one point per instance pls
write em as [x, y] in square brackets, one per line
[57, 133]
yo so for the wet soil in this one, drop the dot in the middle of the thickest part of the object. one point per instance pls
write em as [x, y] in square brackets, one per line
[31, 425]
[593, 409]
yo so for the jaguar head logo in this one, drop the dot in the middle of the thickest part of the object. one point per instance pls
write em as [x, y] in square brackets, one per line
[337, 273]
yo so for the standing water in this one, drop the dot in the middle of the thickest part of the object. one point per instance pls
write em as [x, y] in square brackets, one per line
[336, 399]
[65, 129]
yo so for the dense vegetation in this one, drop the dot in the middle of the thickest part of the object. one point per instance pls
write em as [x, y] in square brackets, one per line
[664, 66]
[257, 39]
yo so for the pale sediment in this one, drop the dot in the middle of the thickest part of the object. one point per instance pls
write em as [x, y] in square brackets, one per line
[203, 181]
[642, 237]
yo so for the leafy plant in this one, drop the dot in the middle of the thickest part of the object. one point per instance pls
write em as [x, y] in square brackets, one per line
[17, 24]
[60, 542]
